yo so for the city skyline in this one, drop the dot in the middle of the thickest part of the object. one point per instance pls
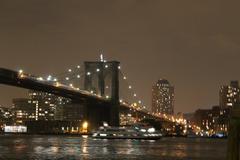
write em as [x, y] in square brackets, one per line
[196, 55]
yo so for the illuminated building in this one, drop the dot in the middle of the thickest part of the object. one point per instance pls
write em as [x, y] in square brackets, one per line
[214, 120]
[229, 95]
[45, 104]
[163, 97]
[23, 110]
[6, 115]
[39, 106]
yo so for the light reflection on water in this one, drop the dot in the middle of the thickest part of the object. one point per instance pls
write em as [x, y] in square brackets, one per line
[67, 147]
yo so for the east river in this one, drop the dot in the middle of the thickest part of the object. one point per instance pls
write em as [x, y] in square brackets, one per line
[74, 147]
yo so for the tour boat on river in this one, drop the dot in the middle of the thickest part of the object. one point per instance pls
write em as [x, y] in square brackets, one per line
[135, 132]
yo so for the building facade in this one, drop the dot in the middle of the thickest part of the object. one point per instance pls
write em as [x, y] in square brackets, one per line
[229, 95]
[38, 106]
[163, 97]
[214, 120]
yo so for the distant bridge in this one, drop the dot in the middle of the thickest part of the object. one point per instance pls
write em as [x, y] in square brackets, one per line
[99, 107]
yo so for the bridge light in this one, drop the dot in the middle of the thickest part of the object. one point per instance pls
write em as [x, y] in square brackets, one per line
[57, 84]
[88, 73]
[69, 70]
[67, 78]
[130, 87]
[49, 77]
[97, 69]
[20, 71]
[40, 79]
[78, 76]
[85, 126]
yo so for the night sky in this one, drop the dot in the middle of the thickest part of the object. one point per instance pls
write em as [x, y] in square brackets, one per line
[193, 44]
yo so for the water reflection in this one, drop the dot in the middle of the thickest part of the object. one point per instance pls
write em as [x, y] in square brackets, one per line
[67, 147]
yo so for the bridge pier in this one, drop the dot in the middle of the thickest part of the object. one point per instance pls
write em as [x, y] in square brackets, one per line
[102, 72]
[115, 95]
[234, 134]
[97, 113]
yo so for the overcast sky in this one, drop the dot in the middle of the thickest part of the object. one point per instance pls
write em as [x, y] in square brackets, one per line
[195, 44]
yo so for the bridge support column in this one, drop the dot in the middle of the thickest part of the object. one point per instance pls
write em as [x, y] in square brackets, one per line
[99, 69]
[101, 82]
[114, 121]
[234, 134]
[88, 78]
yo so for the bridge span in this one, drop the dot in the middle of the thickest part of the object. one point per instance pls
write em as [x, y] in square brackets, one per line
[97, 108]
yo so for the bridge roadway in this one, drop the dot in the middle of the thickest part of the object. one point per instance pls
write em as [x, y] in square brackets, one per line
[27, 81]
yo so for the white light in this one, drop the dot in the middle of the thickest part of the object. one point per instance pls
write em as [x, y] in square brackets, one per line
[78, 89]
[119, 67]
[121, 100]
[20, 71]
[71, 85]
[106, 66]
[55, 79]
[97, 69]
[67, 78]
[91, 91]
[135, 95]
[139, 102]
[105, 124]
[107, 96]
[151, 130]
[49, 77]
[40, 78]
[130, 87]
[78, 66]
[88, 73]
[69, 70]
[101, 57]
[78, 76]
[124, 77]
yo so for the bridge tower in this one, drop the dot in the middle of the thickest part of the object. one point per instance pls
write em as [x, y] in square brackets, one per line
[101, 70]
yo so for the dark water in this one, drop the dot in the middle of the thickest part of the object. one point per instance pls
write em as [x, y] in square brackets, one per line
[69, 147]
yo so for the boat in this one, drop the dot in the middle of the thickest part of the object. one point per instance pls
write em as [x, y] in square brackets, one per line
[133, 132]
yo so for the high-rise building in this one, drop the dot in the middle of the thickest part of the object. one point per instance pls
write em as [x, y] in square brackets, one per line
[39, 106]
[229, 94]
[163, 97]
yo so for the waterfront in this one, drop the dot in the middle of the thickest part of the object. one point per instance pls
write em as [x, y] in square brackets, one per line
[74, 147]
